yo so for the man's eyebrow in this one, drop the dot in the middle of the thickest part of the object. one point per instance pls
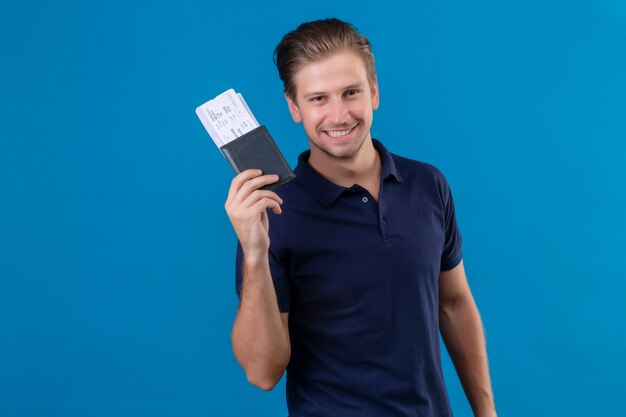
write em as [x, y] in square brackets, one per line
[321, 93]
[354, 86]
[313, 94]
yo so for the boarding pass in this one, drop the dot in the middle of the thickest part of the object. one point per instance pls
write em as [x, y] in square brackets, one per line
[226, 117]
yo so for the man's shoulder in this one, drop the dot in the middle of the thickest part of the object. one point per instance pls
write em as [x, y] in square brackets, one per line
[414, 169]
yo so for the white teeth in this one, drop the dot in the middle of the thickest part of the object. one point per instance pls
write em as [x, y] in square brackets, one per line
[337, 133]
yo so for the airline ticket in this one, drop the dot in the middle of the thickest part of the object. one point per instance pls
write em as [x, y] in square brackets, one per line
[226, 117]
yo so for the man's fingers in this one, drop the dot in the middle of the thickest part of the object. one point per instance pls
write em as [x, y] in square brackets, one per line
[266, 203]
[251, 185]
[240, 179]
[257, 195]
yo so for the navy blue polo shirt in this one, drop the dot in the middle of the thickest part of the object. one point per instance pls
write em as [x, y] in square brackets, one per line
[359, 279]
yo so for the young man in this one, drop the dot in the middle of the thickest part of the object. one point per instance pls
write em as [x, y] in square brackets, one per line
[349, 277]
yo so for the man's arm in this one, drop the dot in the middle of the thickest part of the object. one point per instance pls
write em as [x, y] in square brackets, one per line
[462, 332]
[260, 335]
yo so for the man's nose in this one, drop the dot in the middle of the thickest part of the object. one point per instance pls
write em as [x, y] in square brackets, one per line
[338, 111]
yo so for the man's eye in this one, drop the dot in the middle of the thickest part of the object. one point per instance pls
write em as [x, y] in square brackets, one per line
[317, 98]
[351, 92]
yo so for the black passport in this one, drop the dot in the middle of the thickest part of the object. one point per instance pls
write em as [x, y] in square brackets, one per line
[257, 150]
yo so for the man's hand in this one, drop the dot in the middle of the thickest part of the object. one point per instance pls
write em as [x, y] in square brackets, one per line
[246, 206]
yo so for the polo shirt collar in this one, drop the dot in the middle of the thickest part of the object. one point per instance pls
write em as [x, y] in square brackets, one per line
[327, 192]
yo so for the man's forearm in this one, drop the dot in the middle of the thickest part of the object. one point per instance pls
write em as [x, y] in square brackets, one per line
[260, 341]
[462, 332]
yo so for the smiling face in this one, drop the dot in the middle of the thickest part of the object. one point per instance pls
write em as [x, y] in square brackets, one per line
[335, 103]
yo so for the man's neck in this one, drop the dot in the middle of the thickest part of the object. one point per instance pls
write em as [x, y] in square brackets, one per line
[364, 169]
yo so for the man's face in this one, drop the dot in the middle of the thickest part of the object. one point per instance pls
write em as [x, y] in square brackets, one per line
[335, 103]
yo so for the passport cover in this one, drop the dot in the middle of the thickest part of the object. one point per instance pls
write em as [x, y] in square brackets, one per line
[257, 150]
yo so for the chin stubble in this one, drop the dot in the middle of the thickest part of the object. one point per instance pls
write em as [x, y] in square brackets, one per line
[340, 157]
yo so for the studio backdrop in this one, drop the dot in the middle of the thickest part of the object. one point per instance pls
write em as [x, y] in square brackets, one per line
[117, 286]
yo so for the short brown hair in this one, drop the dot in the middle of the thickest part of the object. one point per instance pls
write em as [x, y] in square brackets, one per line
[318, 40]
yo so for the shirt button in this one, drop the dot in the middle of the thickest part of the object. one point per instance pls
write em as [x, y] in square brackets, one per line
[384, 222]
[364, 199]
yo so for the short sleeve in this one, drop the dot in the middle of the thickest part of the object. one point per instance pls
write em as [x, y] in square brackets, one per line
[452, 252]
[280, 277]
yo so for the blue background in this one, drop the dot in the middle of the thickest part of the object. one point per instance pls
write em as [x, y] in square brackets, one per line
[116, 256]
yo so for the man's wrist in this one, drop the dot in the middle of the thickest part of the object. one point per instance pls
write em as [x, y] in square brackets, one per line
[255, 260]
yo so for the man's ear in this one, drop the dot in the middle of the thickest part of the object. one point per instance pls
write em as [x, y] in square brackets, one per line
[375, 96]
[293, 109]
